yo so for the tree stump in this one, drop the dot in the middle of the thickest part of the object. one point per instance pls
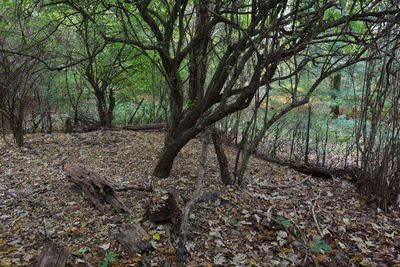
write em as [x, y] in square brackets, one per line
[133, 239]
[94, 188]
[163, 207]
[53, 255]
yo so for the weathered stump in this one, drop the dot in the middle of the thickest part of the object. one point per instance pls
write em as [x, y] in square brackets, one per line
[94, 188]
[163, 207]
[133, 239]
[53, 255]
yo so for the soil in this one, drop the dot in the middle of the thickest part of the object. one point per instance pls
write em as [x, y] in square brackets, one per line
[318, 222]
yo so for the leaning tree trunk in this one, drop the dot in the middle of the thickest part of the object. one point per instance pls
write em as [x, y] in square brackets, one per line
[168, 155]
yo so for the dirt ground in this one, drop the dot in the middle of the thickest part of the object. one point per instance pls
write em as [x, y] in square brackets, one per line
[319, 222]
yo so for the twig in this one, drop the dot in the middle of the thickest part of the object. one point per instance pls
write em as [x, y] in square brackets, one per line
[284, 185]
[183, 231]
[134, 113]
[315, 216]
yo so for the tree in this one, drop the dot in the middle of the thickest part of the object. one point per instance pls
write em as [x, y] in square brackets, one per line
[378, 128]
[19, 74]
[104, 69]
[262, 37]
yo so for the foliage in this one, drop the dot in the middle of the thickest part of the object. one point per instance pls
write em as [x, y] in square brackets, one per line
[285, 222]
[320, 245]
[109, 259]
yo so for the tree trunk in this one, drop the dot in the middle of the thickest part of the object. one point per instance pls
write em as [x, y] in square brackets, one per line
[198, 59]
[104, 112]
[337, 80]
[76, 116]
[18, 132]
[101, 113]
[222, 160]
[110, 109]
[243, 166]
[50, 122]
[167, 157]
[174, 142]
[19, 137]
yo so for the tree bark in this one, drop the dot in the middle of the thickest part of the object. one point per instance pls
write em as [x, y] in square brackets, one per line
[133, 239]
[337, 80]
[105, 111]
[53, 255]
[222, 160]
[18, 132]
[167, 157]
[95, 188]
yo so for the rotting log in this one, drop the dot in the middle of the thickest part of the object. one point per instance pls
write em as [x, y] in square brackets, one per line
[309, 170]
[145, 127]
[350, 173]
[133, 239]
[53, 255]
[94, 188]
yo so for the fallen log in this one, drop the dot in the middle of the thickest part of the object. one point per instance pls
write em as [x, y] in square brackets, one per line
[133, 239]
[309, 170]
[53, 255]
[94, 188]
[145, 127]
[350, 173]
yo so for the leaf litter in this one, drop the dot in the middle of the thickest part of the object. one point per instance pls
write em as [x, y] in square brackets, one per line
[317, 222]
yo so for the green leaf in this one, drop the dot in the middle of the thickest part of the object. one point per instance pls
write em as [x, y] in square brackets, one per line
[284, 222]
[320, 245]
[110, 257]
[233, 221]
[83, 250]
[156, 236]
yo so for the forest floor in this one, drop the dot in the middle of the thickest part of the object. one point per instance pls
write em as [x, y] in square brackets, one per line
[319, 222]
